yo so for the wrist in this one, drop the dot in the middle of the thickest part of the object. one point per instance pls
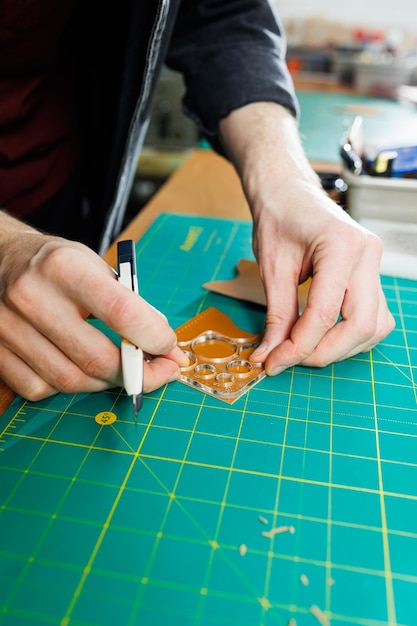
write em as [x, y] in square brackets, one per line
[18, 241]
[263, 142]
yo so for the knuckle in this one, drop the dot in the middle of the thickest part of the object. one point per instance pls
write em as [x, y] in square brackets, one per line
[353, 241]
[302, 356]
[274, 318]
[353, 236]
[19, 294]
[51, 261]
[295, 354]
[98, 366]
[365, 240]
[327, 316]
[291, 352]
[54, 260]
[317, 361]
[52, 253]
[368, 330]
[72, 380]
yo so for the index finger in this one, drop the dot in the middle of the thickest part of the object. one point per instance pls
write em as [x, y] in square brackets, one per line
[93, 285]
[324, 303]
[281, 290]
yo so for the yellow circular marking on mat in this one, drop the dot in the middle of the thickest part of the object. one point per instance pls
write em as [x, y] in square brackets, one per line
[105, 418]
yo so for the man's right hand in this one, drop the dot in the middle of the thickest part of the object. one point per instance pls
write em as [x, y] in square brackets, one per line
[48, 288]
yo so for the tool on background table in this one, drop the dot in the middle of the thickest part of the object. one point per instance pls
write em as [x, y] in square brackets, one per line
[132, 356]
[383, 163]
[350, 157]
[351, 147]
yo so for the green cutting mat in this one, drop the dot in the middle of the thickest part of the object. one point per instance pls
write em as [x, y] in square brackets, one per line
[128, 524]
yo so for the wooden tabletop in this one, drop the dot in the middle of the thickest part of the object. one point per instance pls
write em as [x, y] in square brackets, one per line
[206, 184]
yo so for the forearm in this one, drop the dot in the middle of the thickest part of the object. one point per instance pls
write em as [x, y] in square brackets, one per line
[262, 140]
